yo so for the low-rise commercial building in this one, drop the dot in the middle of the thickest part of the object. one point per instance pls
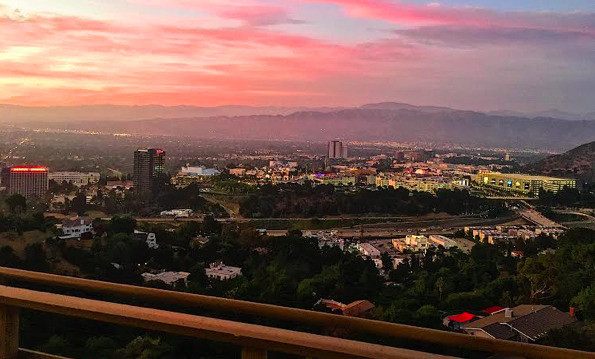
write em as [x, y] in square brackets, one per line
[368, 250]
[240, 172]
[189, 175]
[76, 178]
[181, 213]
[335, 179]
[442, 241]
[114, 185]
[412, 242]
[523, 183]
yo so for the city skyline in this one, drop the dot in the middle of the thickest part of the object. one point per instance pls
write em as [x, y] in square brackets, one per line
[483, 55]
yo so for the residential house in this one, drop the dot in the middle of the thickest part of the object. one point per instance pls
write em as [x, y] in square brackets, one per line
[169, 278]
[220, 271]
[524, 323]
[77, 227]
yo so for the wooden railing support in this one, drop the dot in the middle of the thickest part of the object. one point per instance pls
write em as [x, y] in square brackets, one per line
[374, 327]
[31, 354]
[253, 353]
[237, 333]
[9, 332]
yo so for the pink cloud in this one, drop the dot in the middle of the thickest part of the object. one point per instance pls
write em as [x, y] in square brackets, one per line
[147, 61]
[258, 15]
[249, 12]
[424, 15]
[53, 59]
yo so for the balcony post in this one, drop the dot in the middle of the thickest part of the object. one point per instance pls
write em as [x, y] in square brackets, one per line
[9, 332]
[253, 353]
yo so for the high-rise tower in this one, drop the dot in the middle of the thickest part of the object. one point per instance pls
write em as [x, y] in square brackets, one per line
[26, 180]
[148, 164]
[336, 149]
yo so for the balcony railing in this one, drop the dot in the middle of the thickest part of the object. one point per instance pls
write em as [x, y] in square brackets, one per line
[255, 340]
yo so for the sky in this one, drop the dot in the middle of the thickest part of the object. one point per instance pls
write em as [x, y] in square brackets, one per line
[525, 55]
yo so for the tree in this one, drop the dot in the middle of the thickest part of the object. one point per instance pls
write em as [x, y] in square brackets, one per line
[210, 225]
[78, 204]
[444, 286]
[35, 258]
[250, 238]
[427, 316]
[581, 337]
[538, 275]
[387, 262]
[16, 203]
[585, 302]
[146, 348]
[100, 348]
[198, 280]
[56, 345]
[8, 258]
[123, 224]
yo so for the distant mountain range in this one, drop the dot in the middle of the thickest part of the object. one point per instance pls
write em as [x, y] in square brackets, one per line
[553, 113]
[20, 114]
[388, 121]
[578, 163]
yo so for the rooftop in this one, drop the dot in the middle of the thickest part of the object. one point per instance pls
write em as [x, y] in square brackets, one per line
[84, 221]
[522, 176]
[532, 321]
[166, 277]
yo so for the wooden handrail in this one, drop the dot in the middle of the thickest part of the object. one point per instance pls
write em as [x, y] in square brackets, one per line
[246, 335]
[380, 328]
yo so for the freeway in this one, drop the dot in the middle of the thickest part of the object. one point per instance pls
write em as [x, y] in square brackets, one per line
[587, 216]
[407, 221]
[200, 218]
[402, 228]
[391, 227]
[587, 222]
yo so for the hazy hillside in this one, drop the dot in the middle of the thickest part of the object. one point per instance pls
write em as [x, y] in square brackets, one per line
[552, 113]
[404, 106]
[22, 114]
[449, 126]
[578, 162]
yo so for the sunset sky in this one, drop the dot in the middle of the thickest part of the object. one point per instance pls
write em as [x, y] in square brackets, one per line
[491, 54]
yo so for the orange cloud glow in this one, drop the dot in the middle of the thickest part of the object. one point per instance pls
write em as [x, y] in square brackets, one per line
[284, 53]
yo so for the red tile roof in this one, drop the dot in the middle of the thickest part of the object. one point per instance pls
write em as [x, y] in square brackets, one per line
[492, 310]
[462, 318]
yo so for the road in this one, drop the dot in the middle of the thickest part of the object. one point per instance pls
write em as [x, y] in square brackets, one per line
[244, 220]
[588, 222]
[390, 230]
[577, 213]
[390, 227]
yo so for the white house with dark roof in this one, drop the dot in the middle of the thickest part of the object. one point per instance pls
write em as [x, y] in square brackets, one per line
[75, 228]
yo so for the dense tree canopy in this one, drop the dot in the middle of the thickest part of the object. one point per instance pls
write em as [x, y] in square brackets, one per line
[294, 271]
[291, 199]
